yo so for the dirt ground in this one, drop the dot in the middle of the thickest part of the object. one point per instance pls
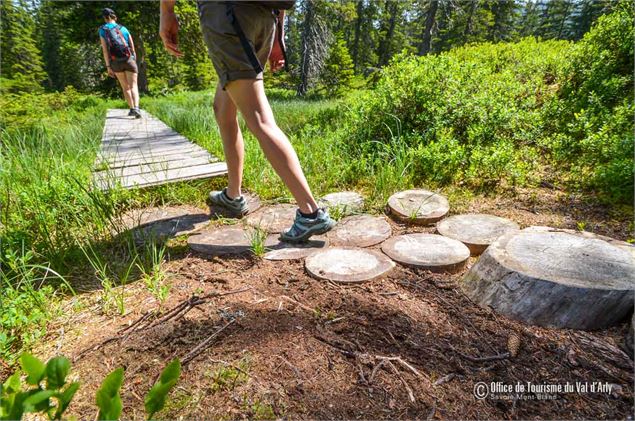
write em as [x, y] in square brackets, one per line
[409, 346]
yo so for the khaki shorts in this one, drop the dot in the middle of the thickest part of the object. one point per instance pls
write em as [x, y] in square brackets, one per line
[124, 66]
[227, 53]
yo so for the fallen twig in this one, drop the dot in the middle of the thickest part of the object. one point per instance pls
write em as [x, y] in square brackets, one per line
[405, 383]
[204, 344]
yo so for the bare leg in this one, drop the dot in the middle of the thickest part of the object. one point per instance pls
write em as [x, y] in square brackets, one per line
[233, 145]
[125, 87]
[131, 78]
[249, 96]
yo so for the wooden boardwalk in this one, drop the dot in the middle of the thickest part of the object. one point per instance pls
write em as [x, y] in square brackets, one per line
[146, 152]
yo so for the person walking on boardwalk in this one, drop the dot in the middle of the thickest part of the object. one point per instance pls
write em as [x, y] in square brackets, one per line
[240, 38]
[120, 57]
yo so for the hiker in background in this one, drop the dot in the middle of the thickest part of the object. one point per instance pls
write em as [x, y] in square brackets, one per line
[240, 37]
[120, 57]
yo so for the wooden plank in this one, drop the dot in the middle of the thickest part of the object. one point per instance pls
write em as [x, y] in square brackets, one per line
[154, 159]
[170, 176]
[145, 152]
[150, 168]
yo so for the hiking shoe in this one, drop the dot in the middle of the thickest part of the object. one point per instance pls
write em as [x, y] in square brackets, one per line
[304, 227]
[131, 113]
[235, 208]
[136, 112]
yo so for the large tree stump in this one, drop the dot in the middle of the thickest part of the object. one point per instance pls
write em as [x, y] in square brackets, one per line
[475, 230]
[225, 240]
[342, 203]
[555, 278]
[420, 207]
[432, 252]
[348, 264]
[274, 219]
[360, 231]
[280, 250]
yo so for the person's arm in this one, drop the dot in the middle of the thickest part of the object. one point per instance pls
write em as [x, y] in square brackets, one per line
[276, 58]
[104, 49]
[169, 28]
[134, 51]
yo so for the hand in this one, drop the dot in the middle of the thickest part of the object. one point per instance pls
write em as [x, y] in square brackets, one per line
[111, 73]
[168, 31]
[276, 58]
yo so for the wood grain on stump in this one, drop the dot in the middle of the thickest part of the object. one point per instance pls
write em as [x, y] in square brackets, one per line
[475, 230]
[279, 250]
[418, 206]
[344, 203]
[274, 219]
[553, 278]
[348, 264]
[432, 252]
[360, 231]
[158, 223]
[253, 204]
[224, 240]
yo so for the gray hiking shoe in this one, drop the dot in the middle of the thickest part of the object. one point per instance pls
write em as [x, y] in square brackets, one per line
[235, 208]
[131, 113]
[303, 227]
[136, 112]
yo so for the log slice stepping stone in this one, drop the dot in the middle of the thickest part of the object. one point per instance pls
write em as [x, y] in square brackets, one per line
[360, 231]
[274, 219]
[554, 278]
[159, 223]
[348, 264]
[432, 252]
[253, 204]
[343, 203]
[224, 240]
[475, 230]
[280, 250]
[420, 207]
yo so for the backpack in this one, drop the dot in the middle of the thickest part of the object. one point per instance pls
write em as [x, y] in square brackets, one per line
[117, 46]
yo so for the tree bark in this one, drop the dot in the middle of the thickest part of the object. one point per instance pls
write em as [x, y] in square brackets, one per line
[470, 16]
[142, 81]
[358, 27]
[384, 50]
[426, 38]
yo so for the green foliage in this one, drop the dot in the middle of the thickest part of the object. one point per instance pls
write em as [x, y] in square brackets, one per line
[155, 399]
[51, 393]
[337, 74]
[107, 398]
[153, 273]
[51, 399]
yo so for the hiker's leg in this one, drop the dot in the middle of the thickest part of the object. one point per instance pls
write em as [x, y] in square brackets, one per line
[121, 77]
[233, 145]
[249, 96]
[131, 78]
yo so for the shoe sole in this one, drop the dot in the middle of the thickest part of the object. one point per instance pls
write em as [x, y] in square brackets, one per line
[307, 235]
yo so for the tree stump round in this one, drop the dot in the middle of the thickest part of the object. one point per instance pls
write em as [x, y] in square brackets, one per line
[475, 230]
[225, 240]
[274, 219]
[554, 278]
[253, 204]
[279, 250]
[342, 203]
[360, 231]
[432, 252]
[160, 223]
[420, 207]
[348, 264]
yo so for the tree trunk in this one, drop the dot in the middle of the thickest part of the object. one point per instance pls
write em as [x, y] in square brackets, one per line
[384, 50]
[315, 47]
[470, 16]
[358, 27]
[426, 38]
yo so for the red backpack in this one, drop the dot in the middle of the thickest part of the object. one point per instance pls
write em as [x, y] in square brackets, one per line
[117, 46]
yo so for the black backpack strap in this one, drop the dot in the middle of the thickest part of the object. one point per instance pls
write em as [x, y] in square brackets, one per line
[249, 50]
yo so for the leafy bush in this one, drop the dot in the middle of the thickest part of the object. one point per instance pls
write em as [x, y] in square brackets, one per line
[50, 393]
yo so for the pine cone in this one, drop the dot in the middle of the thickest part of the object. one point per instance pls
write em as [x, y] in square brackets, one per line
[513, 344]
